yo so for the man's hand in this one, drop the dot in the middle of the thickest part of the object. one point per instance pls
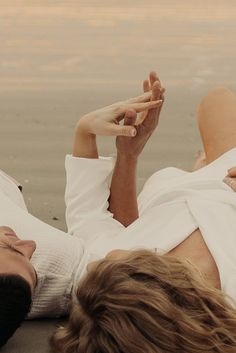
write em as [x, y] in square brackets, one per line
[123, 198]
[145, 124]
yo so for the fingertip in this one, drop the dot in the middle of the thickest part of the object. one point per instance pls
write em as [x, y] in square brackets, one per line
[128, 131]
[153, 77]
[153, 73]
[130, 113]
[146, 87]
[133, 132]
[157, 102]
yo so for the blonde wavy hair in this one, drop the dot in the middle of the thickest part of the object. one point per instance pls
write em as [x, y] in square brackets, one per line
[149, 303]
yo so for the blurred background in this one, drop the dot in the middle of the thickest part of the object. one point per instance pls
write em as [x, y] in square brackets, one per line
[62, 59]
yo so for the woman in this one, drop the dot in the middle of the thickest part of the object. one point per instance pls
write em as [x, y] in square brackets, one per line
[171, 286]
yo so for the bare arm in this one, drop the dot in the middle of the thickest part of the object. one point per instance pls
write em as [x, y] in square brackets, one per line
[85, 145]
[87, 178]
[123, 199]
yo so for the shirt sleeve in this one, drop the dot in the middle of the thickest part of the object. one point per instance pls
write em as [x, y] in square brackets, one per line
[86, 196]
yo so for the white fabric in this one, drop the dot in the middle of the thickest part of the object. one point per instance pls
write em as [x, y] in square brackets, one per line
[56, 258]
[172, 205]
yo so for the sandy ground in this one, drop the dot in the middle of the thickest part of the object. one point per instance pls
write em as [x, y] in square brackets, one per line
[37, 131]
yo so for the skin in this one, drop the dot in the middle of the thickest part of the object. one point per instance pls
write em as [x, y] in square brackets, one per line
[123, 197]
[15, 255]
[106, 122]
[200, 160]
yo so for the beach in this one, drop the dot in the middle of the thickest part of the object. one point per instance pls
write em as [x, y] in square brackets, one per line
[60, 60]
[37, 133]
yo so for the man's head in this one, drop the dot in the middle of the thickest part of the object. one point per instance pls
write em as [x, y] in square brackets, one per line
[17, 281]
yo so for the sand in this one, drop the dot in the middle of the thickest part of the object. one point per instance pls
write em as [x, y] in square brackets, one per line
[60, 61]
[37, 133]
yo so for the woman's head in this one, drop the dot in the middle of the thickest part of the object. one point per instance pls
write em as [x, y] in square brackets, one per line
[144, 302]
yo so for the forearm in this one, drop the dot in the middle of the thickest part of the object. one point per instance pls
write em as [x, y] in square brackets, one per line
[85, 145]
[123, 197]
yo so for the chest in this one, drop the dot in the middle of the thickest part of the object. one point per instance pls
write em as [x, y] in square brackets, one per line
[195, 250]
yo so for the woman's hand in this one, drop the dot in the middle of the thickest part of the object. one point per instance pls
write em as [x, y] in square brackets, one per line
[105, 121]
[230, 178]
[145, 124]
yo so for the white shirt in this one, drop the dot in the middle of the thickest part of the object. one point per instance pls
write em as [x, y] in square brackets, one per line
[172, 204]
[56, 258]
[59, 257]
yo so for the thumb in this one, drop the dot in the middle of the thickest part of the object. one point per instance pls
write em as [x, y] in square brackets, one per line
[122, 130]
[128, 129]
[130, 117]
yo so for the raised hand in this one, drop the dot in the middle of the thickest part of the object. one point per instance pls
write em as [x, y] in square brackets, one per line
[145, 124]
[105, 121]
[147, 87]
[123, 198]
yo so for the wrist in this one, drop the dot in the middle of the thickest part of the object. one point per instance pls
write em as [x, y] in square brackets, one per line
[82, 128]
[129, 159]
[83, 136]
[84, 142]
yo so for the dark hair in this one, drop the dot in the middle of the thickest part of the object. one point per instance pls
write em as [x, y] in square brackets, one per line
[15, 302]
